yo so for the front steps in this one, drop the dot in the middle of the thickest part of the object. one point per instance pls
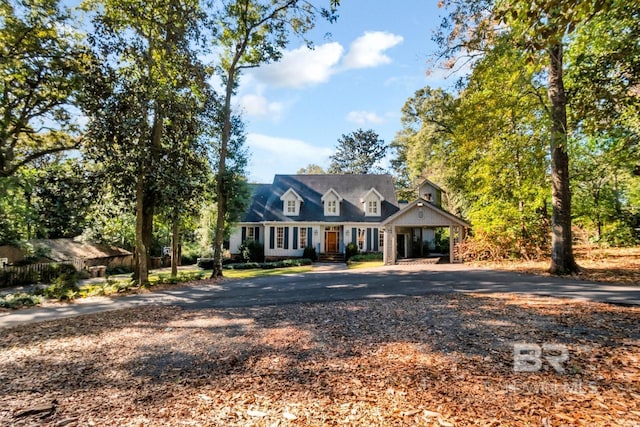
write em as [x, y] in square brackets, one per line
[331, 257]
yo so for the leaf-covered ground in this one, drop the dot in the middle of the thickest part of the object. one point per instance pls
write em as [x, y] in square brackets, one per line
[610, 265]
[438, 360]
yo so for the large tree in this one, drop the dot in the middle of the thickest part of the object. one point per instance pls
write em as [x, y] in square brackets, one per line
[42, 66]
[149, 64]
[251, 33]
[541, 28]
[358, 152]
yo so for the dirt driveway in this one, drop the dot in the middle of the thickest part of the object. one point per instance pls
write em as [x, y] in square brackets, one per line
[438, 359]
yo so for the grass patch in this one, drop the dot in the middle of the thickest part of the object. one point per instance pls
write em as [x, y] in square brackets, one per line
[259, 272]
[364, 264]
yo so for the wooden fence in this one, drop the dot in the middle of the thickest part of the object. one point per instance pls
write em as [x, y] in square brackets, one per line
[34, 273]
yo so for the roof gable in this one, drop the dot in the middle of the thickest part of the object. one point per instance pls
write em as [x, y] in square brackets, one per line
[330, 192]
[373, 191]
[291, 194]
[424, 204]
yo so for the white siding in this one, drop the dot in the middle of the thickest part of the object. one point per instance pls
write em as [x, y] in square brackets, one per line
[429, 218]
[235, 240]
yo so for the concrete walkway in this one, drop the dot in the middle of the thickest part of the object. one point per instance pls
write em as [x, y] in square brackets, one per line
[336, 283]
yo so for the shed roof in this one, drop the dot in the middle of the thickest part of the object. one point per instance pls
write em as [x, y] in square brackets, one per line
[66, 249]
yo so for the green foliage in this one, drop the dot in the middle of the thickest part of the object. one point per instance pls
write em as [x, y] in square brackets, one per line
[311, 169]
[351, 250]
[270, 265]
[111, 219]
[190, 252]
[252, 251]
[64, 287]
[19, 300]
[42, 69]
[61, 198]
[441, 242]
[48, 273]
[372, 256]
[145, 106]
[358, 153]
[182, 277]
[205, 263]
[109, 287]
[310, 253]
[619, 234]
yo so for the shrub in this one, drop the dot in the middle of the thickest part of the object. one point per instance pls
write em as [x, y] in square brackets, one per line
[268, 265]
[121, 269]
[64, 286]
[618, 234]
[252, 251]
[244, 266]
[310, 253]
[62, 289]
[205, 263]
[19, 300]
[351, 250]
[374, 256]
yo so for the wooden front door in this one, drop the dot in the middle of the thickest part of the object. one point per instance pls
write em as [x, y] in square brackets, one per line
[331, 241]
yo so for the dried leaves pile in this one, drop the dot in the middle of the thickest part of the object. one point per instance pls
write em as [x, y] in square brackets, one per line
[440, 360]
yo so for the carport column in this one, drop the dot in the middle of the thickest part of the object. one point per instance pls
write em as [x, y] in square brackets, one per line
[451, 244]
[390, 244]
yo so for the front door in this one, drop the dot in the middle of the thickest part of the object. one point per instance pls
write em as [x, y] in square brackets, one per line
[331, 241]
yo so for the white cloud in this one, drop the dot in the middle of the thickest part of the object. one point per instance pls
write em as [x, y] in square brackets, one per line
[302, 67]
[272, 155]
[368, 50]
[258, 105]
[365, 117]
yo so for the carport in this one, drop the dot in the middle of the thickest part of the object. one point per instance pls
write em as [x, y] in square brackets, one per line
[416, 222]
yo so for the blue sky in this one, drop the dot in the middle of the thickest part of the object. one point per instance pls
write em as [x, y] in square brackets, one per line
[360, 77]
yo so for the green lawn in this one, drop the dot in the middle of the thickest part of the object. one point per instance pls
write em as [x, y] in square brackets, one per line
[365, 264]
[259, 272]
[122, 284]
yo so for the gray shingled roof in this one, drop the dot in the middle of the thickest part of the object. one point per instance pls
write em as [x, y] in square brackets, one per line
[267, 206]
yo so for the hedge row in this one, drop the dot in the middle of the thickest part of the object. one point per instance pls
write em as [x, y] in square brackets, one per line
[375, 256]
[266, 265]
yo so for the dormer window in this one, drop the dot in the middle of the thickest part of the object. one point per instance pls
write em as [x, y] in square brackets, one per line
[331, 200]
[372, 207]
[292, 207]
[291, 202]
[372, 201]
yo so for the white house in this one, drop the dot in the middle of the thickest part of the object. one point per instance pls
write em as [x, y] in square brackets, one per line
[328, 212]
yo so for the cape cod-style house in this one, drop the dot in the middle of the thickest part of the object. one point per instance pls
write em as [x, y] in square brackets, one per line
[328, 212]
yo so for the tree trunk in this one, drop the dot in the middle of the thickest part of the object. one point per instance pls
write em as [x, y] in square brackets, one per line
[147, 223]
[142, 268]
[221, 184]
[175, 239]
[562, 260]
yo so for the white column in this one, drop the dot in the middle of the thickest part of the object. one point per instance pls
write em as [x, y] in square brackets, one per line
[451, 244]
